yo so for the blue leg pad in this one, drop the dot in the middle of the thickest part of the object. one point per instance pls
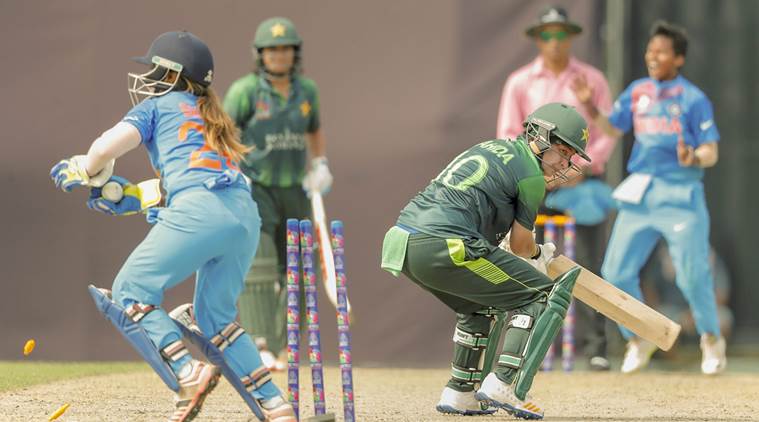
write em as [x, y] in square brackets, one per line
[216, 357]
[135, 335]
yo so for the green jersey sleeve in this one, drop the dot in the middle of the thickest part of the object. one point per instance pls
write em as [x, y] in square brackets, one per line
[239, 102]
[530, 193]
[312, 93]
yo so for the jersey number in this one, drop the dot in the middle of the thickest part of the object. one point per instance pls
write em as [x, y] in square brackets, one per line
[205, 156]
[476, 172]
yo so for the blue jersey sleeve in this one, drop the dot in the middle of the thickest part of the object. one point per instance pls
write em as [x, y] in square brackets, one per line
[143, 117]
[621, 113]
[701, 122]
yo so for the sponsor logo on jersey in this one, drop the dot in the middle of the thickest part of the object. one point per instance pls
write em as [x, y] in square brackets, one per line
[706, 125]
[657, 125]
[285, 140]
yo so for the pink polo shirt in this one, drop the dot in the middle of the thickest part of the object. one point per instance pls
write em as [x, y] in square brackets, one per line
[533, 85]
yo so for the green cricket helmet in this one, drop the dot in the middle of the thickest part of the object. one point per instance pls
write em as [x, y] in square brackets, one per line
[275, 32]
[557, 120]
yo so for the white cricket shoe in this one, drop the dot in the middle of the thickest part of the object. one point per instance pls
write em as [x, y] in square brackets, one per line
[193, 390]
[496, 393]
[460, 403]
[637, 355]
[278, 410]
[713, 359]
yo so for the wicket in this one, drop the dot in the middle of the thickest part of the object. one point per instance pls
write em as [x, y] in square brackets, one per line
[300, 251]
[550, 224]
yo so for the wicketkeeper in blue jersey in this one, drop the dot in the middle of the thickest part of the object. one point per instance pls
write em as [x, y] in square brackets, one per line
[209, 226]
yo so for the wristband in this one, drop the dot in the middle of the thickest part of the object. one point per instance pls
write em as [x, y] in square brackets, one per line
[537, 254]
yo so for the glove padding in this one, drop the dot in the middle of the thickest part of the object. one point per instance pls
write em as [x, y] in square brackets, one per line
[542, 262]
[137, 198]
[319, 177]
[72, 172]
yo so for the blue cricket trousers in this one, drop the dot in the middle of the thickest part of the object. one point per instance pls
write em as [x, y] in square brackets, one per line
[675, 210]
[215, 234]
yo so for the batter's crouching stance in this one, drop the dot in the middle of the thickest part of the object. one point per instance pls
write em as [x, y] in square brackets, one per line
[210, 225]
[446, 241]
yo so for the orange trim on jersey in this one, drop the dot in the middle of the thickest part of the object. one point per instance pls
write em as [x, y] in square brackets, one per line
[205, 156]
[208, 163]
[186, 127]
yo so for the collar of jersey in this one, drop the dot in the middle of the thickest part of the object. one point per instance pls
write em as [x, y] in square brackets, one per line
[526, 148]
[539, 69]
[294, 86]
[669, 83]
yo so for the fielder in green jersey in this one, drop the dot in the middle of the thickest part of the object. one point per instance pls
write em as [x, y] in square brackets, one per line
[277, 111]
[446, 241]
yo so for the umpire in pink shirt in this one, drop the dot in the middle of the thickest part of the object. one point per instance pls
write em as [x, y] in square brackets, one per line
[550, 77]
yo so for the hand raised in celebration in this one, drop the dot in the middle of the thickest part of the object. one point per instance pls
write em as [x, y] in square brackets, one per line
[582, 89]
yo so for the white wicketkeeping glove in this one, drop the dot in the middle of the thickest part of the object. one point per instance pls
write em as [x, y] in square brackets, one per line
[542, 262]
[319, 177]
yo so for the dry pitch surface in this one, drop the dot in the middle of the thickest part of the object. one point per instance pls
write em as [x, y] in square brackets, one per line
[409, 395]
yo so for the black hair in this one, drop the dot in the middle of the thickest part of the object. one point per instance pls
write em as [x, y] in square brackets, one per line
[675, 33]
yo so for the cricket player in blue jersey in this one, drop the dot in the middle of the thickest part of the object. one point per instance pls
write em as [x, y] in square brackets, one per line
[675, 140]
[209, 225]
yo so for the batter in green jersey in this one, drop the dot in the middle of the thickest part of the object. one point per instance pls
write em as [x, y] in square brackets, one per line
[446, 241]
[277, 110]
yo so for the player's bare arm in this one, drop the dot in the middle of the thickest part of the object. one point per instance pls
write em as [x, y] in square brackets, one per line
[521, 241]
[317, 144]
[112, 144]
[584, 93]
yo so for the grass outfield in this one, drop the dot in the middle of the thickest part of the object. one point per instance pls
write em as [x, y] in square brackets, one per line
[16, 375]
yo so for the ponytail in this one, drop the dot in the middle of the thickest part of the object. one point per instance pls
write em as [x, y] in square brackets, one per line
[221, 133]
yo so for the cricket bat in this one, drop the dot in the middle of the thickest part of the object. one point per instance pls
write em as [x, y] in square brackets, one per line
[618, 306]
[326, 258]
